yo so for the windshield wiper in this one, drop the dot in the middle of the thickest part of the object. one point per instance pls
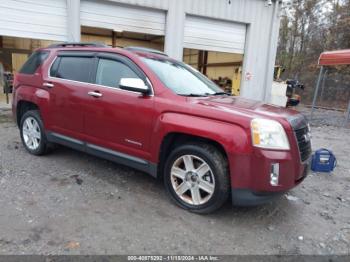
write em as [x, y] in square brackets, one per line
[194, 95]
[221, 93]
[206, 94]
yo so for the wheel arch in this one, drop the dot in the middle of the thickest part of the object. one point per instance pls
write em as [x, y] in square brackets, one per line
[22, 107]
[173, 139]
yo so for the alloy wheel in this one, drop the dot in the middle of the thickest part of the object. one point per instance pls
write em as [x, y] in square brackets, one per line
[192, 180]
[31, 133]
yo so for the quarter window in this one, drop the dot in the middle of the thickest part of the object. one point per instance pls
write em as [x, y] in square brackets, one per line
[54, 67]
[73, 68]
[33, 62]
[109, 72]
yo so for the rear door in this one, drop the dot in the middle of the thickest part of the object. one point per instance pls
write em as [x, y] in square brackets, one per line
[69, 75]
[118, 119]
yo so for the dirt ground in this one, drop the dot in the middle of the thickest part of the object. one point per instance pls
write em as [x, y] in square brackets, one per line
[71, 203]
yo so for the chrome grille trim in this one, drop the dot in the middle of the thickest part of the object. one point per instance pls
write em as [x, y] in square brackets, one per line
[300, 127]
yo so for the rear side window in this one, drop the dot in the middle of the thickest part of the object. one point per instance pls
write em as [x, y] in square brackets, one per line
[33, 62]
[109, 72]
[72, 68]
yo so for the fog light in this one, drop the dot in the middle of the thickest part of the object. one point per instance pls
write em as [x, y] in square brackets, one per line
[274, 175]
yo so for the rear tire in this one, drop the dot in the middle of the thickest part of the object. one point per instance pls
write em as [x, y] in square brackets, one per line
[196, 177]
[32, 133]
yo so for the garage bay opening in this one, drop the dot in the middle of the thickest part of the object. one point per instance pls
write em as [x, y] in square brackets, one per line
[114, 38]
[14, 52]
[225, 69]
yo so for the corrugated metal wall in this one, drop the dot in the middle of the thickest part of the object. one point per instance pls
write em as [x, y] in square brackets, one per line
[258, 58]
[39, 19]
[49, 19]
[121, 17]
[158, 4]
[261, 38]
[214, 35]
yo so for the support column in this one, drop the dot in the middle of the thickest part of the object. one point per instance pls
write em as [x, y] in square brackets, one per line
[272, 52]
[316, 92]
[200, 60]
[114, 44]
[323, 84]
[347, 115]
[205, 62]
[174, 32]
[73, 20]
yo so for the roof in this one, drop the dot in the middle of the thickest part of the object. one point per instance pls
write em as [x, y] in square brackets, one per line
[77, 44]
[339, 57]
[99, 47]
[144, 50]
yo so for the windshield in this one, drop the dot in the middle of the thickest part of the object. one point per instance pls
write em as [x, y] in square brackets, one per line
[181, 78]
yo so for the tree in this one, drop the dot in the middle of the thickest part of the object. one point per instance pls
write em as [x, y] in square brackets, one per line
[308, 27]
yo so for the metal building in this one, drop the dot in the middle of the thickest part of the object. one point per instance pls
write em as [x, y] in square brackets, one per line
[218, 35]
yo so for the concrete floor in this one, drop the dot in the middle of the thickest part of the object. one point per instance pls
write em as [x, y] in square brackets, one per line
[68, 202]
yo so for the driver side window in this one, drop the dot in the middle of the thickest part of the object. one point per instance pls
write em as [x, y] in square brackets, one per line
[109, 72]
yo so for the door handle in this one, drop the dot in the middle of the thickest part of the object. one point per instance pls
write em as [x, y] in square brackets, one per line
[49, 85]
[94, 94]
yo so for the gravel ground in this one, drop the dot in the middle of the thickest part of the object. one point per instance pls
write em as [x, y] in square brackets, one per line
[322, 117]
[71, 203]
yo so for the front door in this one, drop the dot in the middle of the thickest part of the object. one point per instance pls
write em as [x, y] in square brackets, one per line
[114, 118]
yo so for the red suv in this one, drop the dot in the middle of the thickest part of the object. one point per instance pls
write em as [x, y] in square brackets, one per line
[140, 108]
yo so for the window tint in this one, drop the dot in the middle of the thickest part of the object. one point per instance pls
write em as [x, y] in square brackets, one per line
[34, 61]
[109, 72]
[54, 67]
[74, 68]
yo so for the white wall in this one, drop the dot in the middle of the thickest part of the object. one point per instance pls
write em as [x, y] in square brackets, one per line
[37, 19]
[261, 40]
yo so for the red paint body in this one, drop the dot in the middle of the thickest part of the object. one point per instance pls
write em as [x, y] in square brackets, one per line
[119, 115]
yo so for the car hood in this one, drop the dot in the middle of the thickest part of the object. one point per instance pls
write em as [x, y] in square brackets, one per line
[244, 107]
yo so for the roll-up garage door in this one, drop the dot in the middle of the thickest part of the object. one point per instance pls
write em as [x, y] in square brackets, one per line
[214, 35]
[38, 19]
[119, 17]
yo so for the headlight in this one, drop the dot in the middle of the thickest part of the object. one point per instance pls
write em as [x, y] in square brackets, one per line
[269, 134]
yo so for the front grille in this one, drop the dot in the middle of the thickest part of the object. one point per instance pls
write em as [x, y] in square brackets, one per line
[303, 143]
[301, 130]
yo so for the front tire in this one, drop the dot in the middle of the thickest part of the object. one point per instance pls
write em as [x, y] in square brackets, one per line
[196, 177]
[32, 133]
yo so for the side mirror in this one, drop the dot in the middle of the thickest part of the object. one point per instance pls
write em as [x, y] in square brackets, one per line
[133, 84]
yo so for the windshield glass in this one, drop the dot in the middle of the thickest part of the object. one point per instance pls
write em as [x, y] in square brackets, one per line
[181, 78]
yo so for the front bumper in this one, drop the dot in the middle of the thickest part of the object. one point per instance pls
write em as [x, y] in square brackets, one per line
[246, 197]
[253, 186]
[253, 179]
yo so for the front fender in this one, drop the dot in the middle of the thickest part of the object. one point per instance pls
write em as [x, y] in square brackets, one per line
[233, 138]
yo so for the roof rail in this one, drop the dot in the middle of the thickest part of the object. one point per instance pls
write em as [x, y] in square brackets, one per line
[145, 50]
[77, 44]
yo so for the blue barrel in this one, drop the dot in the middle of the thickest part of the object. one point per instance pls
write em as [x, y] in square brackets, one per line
[323, 160]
